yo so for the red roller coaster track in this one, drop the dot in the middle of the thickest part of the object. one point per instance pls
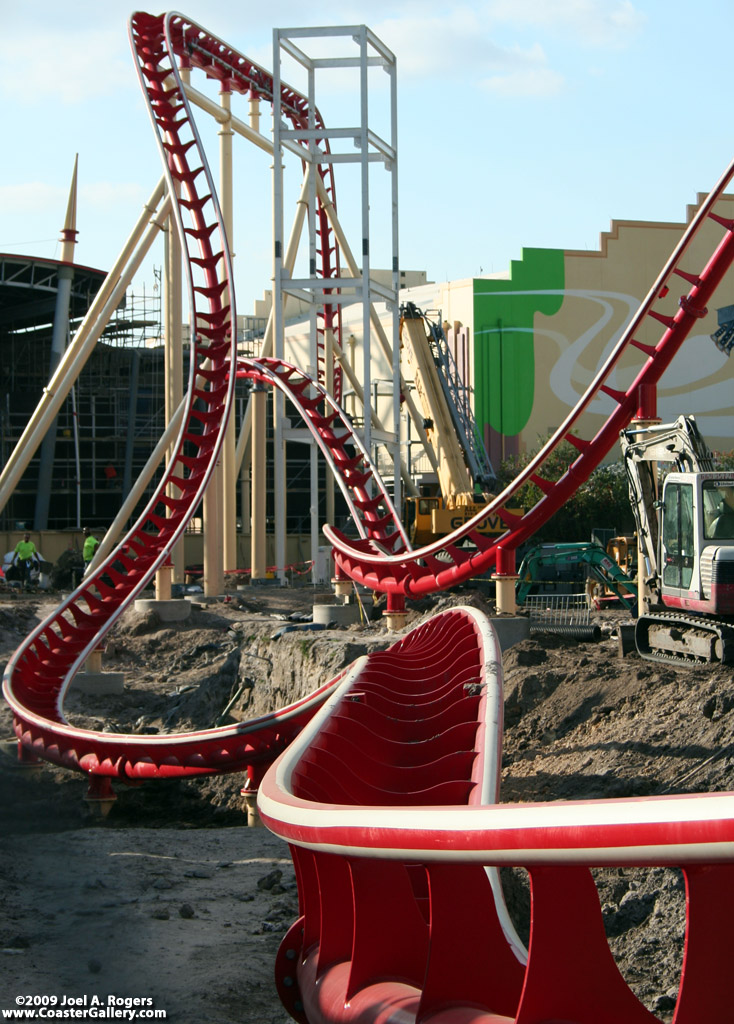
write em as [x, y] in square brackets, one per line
[388, 799]
[195, 47]
[387, 789]
[38, 675]
[445, 563]
[370, 505]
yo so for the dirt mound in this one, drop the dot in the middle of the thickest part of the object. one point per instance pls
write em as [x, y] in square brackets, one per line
[580, 722]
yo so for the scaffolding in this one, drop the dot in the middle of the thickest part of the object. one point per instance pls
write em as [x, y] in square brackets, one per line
[108, 425]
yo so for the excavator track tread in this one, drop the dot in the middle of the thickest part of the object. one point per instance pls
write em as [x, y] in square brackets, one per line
[684, 639]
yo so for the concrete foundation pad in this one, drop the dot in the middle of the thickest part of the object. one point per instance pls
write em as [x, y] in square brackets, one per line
[340, 614]
[511, 629]
[174, 610]
[99, 682]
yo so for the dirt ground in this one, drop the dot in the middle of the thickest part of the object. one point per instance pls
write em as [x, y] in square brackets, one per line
[173, 898]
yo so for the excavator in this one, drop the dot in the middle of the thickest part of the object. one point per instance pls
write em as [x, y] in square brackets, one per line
[599, 565]
[453, 445]
[686, 539]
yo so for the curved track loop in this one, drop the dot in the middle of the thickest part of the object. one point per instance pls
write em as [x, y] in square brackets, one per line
[388, 799]
[195, 47]
[38, 675]
[369, 503]
[445, 563]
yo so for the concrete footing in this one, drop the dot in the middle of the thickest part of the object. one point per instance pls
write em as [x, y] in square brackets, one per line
[511, 629]
[339, 614]
[98, 682]
[175, 610]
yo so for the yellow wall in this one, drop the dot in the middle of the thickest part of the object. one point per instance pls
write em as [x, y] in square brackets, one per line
[602, 291]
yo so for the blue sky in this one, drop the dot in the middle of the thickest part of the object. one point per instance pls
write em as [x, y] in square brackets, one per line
[521, 123]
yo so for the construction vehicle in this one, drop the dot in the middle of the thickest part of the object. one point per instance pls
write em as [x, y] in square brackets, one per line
[623, 549]
[452, 442]
[686, 538]
[597, 563]
[432, 516]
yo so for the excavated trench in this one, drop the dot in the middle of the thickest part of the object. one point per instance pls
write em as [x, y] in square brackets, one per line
[581, 722]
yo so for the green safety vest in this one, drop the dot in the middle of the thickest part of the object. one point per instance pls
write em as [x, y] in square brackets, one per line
[90, 544]
[25, 549]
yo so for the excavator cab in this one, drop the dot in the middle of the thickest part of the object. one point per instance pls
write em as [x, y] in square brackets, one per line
[697, 542]
[687, 542]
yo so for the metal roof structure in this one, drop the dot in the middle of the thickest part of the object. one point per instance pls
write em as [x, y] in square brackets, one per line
[28, 288]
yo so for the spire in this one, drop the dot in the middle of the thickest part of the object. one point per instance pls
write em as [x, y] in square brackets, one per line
[69, 232]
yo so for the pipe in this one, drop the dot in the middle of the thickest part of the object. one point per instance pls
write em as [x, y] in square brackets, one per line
[574, 632]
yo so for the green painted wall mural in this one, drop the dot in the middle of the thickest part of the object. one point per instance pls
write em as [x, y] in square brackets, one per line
[504, 359]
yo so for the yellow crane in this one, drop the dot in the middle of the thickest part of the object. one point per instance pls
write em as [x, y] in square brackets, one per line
[465, 476]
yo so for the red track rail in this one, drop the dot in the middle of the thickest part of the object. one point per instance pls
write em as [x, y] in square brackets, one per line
[38, 675]
[445, 564]
[369, 503]
[195, 47]
[388, 799]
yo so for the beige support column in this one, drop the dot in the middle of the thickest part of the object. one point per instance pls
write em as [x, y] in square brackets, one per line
[229, 469]
[257, 543]
[505, 594]
[163, 583]
[505, 577]
[173, 349]
[213, 566]
[352, 342]
[254, 112]
[329, 345]
[245, 494]
[259, 507]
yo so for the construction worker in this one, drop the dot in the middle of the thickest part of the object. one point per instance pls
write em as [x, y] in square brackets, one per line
[26, 555]
[90, 546]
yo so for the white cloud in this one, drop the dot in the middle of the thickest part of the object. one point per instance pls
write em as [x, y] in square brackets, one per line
[430, 45]
[595, 22]
[33, 197]
[531, 81]
[37, 197]
[104, 194]
[58, 65]
[523, 72]
[459, 45]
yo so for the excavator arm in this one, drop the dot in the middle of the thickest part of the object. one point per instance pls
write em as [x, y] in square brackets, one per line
[599, 564]
[679, 443]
